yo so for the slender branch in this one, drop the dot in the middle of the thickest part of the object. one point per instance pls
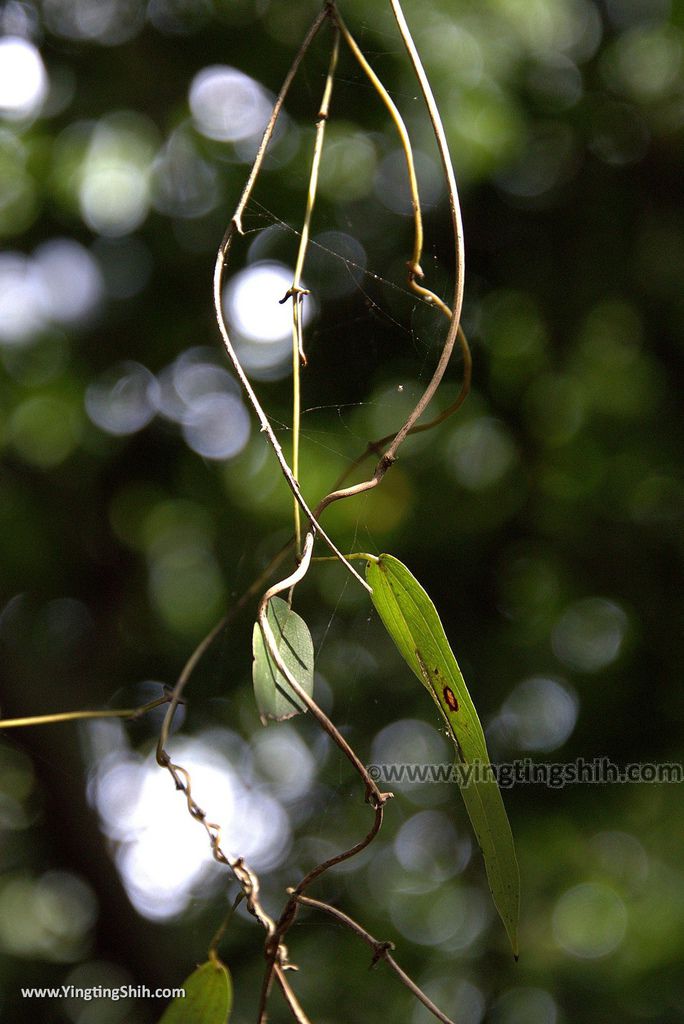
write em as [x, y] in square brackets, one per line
[236, 223]
[381, 951]
[401, 129]
[290, 997]
[296, 291]
[297, 356]
[457, 220]
[340, 857]
[212, 952]
[74, 716]
[188, 669]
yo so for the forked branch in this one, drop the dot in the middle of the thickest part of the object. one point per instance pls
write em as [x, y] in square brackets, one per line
[381, 951]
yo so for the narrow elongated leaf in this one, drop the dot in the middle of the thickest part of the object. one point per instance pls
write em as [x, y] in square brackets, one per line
[274, 696]
[208, 997]
[412, 621]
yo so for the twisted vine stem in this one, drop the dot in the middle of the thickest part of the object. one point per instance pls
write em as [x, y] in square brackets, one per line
[276, 931]
[275, 949]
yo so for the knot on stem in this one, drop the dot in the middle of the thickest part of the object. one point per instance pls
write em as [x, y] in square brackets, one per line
[295, 292]
[377, 799]
[380, 951]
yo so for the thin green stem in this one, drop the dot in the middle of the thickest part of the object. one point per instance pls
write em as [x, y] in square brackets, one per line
[357, 556]
[188, 669]
[403, 135]
[296, 292]
[75, 716]
[321, 121]
[290, 998]
[297, 349]
[212, 952]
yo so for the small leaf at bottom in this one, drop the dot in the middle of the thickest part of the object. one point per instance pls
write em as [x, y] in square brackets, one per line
[208, 997]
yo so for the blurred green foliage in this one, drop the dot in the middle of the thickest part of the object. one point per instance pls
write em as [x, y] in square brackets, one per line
[138, 499]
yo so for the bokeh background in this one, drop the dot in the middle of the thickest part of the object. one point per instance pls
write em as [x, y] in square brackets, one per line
[138, 498]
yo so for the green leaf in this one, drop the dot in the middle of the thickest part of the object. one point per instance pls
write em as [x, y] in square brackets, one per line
[208, 997]
[274, 696]
[412, 621]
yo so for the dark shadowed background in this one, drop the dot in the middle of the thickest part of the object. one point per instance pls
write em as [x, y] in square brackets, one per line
[138, 498]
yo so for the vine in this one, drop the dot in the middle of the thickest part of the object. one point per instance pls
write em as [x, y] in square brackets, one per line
[402, 604]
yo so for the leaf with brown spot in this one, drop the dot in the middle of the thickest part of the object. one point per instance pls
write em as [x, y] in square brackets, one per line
[412, 621]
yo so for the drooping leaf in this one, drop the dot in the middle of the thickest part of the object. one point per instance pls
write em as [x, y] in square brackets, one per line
[208, 997]
[412, 621]
[274, 696]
